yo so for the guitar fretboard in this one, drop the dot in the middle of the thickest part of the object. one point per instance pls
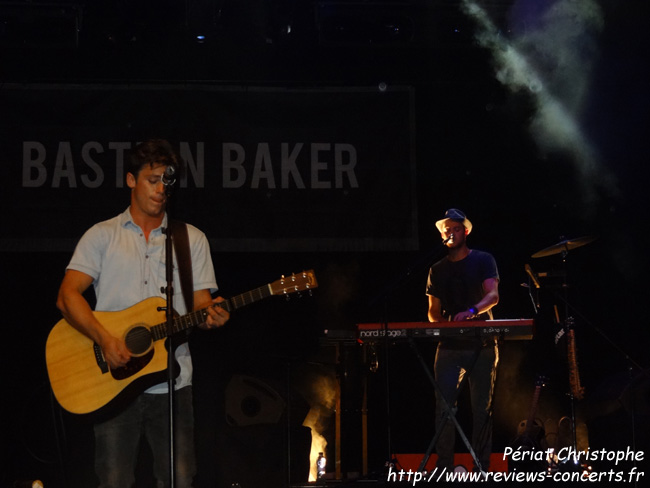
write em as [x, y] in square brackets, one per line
[197, 317]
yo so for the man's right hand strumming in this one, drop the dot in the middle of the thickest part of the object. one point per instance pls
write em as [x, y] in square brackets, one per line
[115, 352]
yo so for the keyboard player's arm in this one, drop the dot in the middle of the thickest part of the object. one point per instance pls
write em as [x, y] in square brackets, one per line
[435, 310]
[489, 300]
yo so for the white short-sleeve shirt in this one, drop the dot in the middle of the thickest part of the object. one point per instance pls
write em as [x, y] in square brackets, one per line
[126, 269]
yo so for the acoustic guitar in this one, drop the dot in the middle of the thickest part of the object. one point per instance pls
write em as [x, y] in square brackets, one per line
[81, 379]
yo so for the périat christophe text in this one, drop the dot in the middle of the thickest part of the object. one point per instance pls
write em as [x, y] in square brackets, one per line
[615, 474]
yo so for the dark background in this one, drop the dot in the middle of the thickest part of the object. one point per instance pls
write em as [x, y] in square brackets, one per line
[479, 147]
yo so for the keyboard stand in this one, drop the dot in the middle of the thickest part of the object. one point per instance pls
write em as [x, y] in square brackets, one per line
[447, 408]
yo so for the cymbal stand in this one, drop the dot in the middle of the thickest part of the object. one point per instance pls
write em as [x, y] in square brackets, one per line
[572, 369]
[632, 363]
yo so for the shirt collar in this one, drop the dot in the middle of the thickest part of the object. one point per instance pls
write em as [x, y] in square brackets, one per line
[126, 220]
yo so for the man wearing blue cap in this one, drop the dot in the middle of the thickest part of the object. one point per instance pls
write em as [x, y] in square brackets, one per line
[464, 285]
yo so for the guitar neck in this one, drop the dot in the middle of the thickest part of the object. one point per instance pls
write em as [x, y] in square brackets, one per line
[247, 298]
[197, 317]
[285, 286]
[533, 410]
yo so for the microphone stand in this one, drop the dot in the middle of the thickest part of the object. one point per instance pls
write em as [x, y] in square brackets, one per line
[423, 264]
[169, 314]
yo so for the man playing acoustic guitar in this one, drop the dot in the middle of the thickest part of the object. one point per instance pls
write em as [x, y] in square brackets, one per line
[124, 259]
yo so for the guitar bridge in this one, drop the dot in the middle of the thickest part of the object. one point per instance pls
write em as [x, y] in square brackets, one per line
[99, 357]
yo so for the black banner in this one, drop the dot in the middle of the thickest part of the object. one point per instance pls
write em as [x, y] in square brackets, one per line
[267, 169]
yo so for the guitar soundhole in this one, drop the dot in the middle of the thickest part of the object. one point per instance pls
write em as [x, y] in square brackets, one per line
[138, 340]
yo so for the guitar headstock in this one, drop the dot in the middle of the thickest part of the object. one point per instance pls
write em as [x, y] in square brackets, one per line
[294, 283]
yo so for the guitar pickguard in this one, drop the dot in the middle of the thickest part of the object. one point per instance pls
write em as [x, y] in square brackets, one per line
[134, 365]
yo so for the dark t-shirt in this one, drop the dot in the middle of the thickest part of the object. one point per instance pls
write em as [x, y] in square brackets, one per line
[459, 284]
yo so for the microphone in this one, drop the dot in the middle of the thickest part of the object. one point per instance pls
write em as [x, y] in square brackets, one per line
[532, 275]
[169, 176]
[450, 238]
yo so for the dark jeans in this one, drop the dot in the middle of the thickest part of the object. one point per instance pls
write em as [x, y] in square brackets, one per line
[117, 441]
[453, 361]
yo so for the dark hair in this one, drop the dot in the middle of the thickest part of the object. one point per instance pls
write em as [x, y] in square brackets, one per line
[153, 152]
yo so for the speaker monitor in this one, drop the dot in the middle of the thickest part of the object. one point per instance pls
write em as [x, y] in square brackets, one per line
[250, 401]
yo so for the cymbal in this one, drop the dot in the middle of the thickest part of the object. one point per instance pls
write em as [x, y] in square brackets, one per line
[564, 246]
